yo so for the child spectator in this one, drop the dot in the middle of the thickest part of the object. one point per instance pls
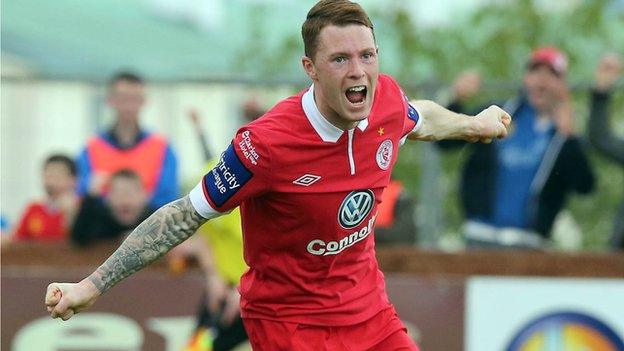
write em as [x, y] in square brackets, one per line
[110, 217]
[50, 219]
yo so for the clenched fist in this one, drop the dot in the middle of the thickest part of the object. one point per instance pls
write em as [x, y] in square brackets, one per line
[608, 71]
[490, 123]
[66, 299]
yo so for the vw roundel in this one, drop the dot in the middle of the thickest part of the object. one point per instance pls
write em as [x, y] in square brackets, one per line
[355, 207]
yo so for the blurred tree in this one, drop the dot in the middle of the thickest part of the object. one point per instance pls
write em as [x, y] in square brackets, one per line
[497, 40]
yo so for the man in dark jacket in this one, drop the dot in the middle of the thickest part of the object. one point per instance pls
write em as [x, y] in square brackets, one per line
[512, 189]
[113, 215]
[601, 134]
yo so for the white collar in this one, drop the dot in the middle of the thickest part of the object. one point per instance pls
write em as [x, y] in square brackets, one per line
[327, 131]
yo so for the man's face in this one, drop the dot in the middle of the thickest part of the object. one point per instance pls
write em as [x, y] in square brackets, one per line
[344, 70]
[541, 84]
[127, 99]
[57, 180]
[127, 200]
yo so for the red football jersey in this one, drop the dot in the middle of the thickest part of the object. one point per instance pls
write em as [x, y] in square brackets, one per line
[308, 193]
[42, 223]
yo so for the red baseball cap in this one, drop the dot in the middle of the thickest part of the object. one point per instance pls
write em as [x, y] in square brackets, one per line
[551, 57]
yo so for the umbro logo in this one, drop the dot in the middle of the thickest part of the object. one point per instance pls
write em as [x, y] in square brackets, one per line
[307, 179]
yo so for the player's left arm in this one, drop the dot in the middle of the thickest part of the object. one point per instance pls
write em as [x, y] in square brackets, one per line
[167, 227]
[438, 123]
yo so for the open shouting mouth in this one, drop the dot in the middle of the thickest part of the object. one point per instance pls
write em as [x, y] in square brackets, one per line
[357, 94]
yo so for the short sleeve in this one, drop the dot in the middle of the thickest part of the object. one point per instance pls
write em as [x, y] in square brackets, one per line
[412, 120]
[241, 173]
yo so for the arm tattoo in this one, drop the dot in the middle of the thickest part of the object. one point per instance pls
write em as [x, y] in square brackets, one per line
[164, 229]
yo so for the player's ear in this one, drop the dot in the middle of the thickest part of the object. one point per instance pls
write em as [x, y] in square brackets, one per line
[308, 66]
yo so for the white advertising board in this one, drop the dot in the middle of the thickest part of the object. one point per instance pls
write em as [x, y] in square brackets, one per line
[544, 314]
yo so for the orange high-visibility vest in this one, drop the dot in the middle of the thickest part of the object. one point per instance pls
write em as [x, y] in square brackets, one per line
[146, 158]
[385, 214]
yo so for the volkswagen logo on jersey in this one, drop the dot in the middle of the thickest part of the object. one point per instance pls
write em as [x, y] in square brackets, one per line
[355, 207]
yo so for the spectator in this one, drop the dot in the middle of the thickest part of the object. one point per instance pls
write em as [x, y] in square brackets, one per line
[395, 218]
[252, 109]
[123, 208]
[601, 133]
[512, 189]
[127, 146]
[50, 219]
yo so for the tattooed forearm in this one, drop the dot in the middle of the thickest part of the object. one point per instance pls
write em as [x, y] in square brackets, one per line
[167, 227]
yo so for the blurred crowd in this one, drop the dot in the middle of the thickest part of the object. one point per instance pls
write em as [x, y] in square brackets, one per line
[511, 190]
[121, 176]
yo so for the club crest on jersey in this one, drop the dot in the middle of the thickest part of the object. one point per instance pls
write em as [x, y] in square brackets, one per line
[384, 154]
[355, 207]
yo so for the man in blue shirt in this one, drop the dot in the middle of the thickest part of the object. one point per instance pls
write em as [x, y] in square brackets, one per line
[513, 189]
[127, 146]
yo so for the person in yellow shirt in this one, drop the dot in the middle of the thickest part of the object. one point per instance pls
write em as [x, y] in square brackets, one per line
[219, 251]
[218, 248]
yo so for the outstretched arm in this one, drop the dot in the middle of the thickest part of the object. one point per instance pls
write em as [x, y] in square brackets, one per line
[167, 227]
[600, 132]
[163, 230]
[442, 124]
